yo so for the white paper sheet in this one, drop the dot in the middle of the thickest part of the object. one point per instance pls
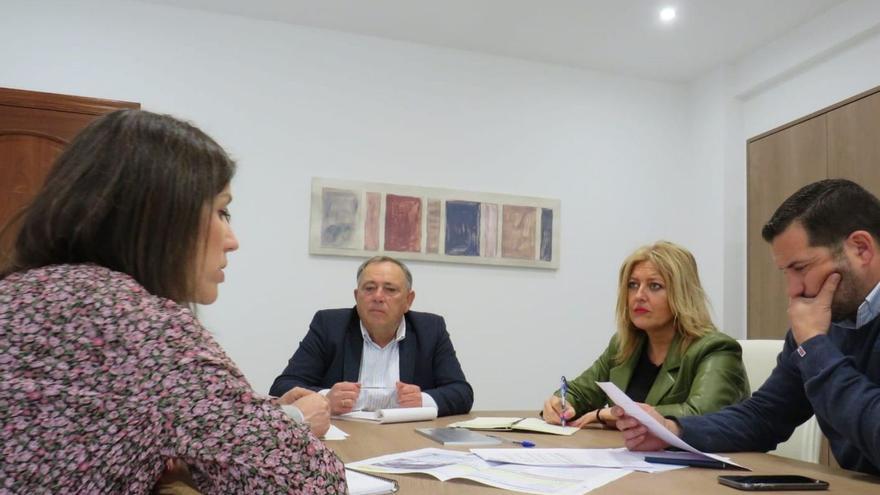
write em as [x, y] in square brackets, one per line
[334, 433]
[364, 484]
[607, 458]
[621, 399]
[447, 464]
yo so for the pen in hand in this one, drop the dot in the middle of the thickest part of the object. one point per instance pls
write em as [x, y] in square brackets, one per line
[563, 390]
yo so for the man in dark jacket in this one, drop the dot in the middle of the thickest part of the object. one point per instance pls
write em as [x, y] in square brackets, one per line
[379, 354]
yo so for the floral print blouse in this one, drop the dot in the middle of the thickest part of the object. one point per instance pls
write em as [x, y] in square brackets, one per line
[101, 382]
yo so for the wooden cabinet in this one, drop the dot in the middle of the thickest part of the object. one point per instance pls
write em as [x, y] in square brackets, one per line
[840, 141]
[779, 165]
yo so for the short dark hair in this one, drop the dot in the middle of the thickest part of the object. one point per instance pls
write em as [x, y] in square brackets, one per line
[128, 193]
[386, 259]
[829, 210]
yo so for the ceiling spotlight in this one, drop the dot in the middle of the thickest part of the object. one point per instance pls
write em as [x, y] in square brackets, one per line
[667, 14]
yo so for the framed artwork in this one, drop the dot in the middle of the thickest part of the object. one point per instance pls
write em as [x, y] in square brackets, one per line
[364, 219]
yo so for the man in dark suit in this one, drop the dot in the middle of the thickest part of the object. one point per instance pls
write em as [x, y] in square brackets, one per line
[379, 354]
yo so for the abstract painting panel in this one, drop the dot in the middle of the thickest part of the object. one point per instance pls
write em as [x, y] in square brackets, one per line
[518, 231]
[363, 219]
[338, 218]
[462, 228]
[403, 223]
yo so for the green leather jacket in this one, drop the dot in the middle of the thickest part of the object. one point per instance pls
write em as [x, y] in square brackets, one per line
[707, 377]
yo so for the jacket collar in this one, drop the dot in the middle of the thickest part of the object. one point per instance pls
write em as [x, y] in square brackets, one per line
[622, 373]
[354, 349]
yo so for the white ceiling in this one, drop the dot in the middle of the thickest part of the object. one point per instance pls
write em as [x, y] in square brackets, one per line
[619, 36]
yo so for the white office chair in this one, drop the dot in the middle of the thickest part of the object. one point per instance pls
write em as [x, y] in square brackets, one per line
[759, 358]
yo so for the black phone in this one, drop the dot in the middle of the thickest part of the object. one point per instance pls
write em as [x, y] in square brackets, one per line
[772, 482]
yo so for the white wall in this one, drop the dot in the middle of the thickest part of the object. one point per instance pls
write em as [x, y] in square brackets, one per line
[292, 103]
[831, 58]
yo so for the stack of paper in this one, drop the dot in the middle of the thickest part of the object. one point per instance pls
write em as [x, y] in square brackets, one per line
[446, 465]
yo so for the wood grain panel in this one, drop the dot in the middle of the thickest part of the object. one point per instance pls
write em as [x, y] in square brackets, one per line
[778, 165]
[854, 142]
[34, 129]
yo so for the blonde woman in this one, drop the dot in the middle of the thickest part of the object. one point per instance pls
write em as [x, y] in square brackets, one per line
[666, 352]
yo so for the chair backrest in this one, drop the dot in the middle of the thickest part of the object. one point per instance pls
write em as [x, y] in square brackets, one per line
[759, 358]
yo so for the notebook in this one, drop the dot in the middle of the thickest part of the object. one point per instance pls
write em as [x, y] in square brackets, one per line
[365, 484]
[397, 415]
[507, 424]
[457, 436]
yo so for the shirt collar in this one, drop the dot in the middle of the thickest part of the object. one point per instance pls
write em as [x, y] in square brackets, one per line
[401, 333]
[868, 310]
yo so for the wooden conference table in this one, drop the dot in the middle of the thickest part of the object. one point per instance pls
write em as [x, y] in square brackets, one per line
[369, 440]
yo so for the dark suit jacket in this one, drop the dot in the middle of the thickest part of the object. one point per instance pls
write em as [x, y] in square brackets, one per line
[331, 353]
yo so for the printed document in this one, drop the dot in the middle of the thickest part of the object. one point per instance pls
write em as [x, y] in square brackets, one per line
[449, 464]
[621, 399]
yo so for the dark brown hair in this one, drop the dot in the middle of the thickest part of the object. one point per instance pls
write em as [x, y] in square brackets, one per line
[829, 210]
[129, 194]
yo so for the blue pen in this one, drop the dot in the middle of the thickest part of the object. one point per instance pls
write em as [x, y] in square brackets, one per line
[563, 390]
[524, 443]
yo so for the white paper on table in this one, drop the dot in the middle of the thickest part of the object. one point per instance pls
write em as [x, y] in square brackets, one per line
[334, 433]
[621, 399]
[360, 483]
[604, 458]
[449, 464]
[590, 478]
[397, 415]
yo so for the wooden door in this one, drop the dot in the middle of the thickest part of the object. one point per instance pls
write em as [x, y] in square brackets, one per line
[34, 129]
[778, 165]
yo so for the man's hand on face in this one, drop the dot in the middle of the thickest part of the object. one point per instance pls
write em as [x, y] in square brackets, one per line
[811, 316]
[343, 396]
[409, 395]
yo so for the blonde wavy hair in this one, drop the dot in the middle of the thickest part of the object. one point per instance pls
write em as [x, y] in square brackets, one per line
[686, 298]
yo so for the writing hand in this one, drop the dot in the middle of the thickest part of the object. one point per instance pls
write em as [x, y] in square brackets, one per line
[553, 412]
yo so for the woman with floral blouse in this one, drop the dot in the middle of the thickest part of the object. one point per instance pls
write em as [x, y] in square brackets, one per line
[106, 374]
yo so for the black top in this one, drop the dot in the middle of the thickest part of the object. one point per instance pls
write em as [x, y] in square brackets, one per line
[643, 377]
